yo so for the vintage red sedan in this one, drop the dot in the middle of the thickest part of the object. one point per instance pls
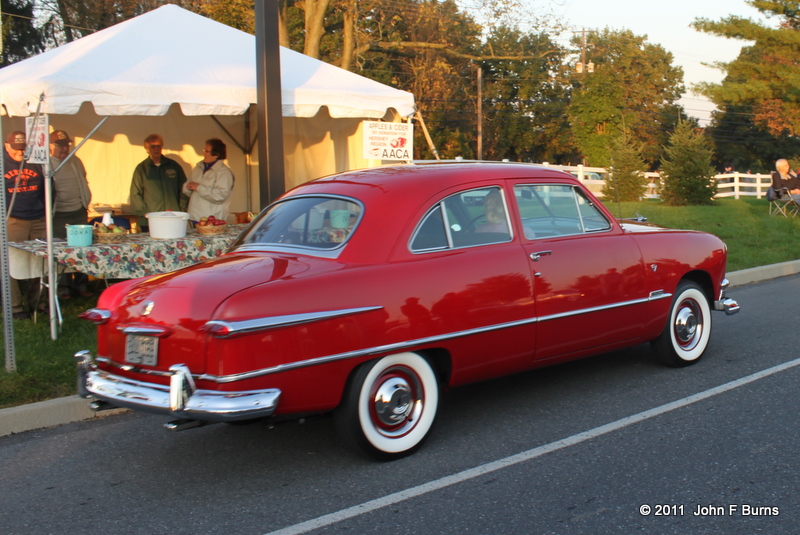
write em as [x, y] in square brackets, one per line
[369, 292]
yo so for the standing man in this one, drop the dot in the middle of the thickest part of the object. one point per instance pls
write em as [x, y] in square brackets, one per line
[157, 182]
[72, 204]
[25, 206]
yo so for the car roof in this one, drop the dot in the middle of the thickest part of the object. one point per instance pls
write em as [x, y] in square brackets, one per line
[399, 192]
[420, 181]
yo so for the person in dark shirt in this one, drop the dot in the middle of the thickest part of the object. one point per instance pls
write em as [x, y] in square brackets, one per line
[25, 205]
[157, 182]
[784, 177]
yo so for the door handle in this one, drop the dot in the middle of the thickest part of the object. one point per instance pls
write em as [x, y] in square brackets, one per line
[537, 255]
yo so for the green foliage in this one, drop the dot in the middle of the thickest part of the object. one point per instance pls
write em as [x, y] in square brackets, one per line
[524, 101]
[21, 39]
[45, 367]
[754, 238]
[634, 85]
[765, 75]
[627, 181]
[239, 14]
[686, 172]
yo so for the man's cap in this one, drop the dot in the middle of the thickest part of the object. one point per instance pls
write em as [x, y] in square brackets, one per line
[16, 139]
[59, 137]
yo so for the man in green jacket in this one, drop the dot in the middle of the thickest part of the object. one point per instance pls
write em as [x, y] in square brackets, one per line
[157, 182]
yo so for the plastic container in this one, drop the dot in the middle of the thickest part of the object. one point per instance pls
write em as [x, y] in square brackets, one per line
[340, 218]
[167, 225]
[79, 235]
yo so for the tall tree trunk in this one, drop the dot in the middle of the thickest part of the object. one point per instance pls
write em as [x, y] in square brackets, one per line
[349, 37]
[283, 25]
[315, 25]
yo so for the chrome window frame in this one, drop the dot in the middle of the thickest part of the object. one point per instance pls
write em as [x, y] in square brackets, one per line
[333, 252]
[448, 231]
[576, 191]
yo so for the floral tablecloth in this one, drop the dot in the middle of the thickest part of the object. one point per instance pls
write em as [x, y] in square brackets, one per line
[136, 255]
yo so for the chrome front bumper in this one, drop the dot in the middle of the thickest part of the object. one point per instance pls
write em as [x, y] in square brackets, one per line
[180, 399]
[730, 306]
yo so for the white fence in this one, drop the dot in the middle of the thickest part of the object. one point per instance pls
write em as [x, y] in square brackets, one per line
[736, 185]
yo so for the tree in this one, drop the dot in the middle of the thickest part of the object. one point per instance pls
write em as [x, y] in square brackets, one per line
[239, 14]
[68, 20]
[764, 80]
[627, 181]
[634, 85]
[20, 37]
[525, 100]
[687, 176]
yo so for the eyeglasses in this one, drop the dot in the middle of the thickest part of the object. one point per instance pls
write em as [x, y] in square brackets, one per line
[154, 146]
[206, 151]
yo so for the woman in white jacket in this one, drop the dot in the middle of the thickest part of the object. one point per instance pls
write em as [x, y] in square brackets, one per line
[210, 184]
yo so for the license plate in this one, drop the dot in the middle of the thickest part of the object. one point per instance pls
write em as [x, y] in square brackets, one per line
[141, 350]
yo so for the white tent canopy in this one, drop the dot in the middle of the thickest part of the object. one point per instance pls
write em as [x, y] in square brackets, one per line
[169, 55]
[169, 71]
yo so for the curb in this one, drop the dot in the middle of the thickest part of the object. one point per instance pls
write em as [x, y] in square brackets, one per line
[73, 408]
[762, 273]
[48, 413]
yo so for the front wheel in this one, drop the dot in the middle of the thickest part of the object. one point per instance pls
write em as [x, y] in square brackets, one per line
[685, 337]
[389, 406]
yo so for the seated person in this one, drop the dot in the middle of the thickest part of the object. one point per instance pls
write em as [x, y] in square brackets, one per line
[784, 177]
[495, 213]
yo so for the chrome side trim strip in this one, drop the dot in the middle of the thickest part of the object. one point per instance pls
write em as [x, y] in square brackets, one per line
[410, 343]
[360, 353]
[594, 309]
[274, 322]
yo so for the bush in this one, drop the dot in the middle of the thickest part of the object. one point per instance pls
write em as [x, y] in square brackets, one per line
[686, 171]
[626, 181]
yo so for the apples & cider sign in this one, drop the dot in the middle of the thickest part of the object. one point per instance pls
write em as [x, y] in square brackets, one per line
[388, 141]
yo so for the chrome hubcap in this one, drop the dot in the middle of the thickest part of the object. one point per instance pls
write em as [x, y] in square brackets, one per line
[688, 326]
[393, 401]
[397, 402]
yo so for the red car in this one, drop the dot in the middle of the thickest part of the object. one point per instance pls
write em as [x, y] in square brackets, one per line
[369, 292]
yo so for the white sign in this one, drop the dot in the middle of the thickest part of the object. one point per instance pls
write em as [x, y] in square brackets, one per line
[388, 141]
[38, 139]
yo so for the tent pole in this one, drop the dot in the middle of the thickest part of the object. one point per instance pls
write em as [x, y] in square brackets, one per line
[5, 288]
[272, 183]
[428, 136]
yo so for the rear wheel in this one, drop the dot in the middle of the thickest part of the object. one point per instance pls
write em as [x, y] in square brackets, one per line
[688, 329]
[389, 406]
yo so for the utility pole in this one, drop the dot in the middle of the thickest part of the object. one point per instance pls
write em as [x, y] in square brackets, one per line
[480, 113]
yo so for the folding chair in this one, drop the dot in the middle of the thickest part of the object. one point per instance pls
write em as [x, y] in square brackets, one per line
[782, 202]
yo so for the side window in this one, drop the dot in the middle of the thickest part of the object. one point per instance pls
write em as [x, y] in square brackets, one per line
[466, 219]
[556, 210]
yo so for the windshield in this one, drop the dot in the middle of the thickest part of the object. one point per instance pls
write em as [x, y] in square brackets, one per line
[315, 222]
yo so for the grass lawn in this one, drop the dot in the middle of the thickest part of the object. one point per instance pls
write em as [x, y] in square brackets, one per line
[46, 370]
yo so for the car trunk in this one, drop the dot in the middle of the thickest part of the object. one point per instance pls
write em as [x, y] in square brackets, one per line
[155, 325]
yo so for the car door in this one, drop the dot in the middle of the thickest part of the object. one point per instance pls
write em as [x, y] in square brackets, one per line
[588, 276]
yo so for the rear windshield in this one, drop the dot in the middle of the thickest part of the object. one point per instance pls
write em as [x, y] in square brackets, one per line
[315, 222]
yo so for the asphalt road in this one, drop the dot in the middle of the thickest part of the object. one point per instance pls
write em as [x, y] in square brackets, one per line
[615, 444]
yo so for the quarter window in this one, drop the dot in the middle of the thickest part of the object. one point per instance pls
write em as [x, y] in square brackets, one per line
[469, 218]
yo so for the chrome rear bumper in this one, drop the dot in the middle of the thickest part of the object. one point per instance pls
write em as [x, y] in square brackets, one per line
[180, 399]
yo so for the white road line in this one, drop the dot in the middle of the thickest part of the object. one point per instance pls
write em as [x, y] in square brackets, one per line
[391, 499]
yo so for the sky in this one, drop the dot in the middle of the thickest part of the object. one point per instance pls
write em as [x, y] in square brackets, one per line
[667, 23]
